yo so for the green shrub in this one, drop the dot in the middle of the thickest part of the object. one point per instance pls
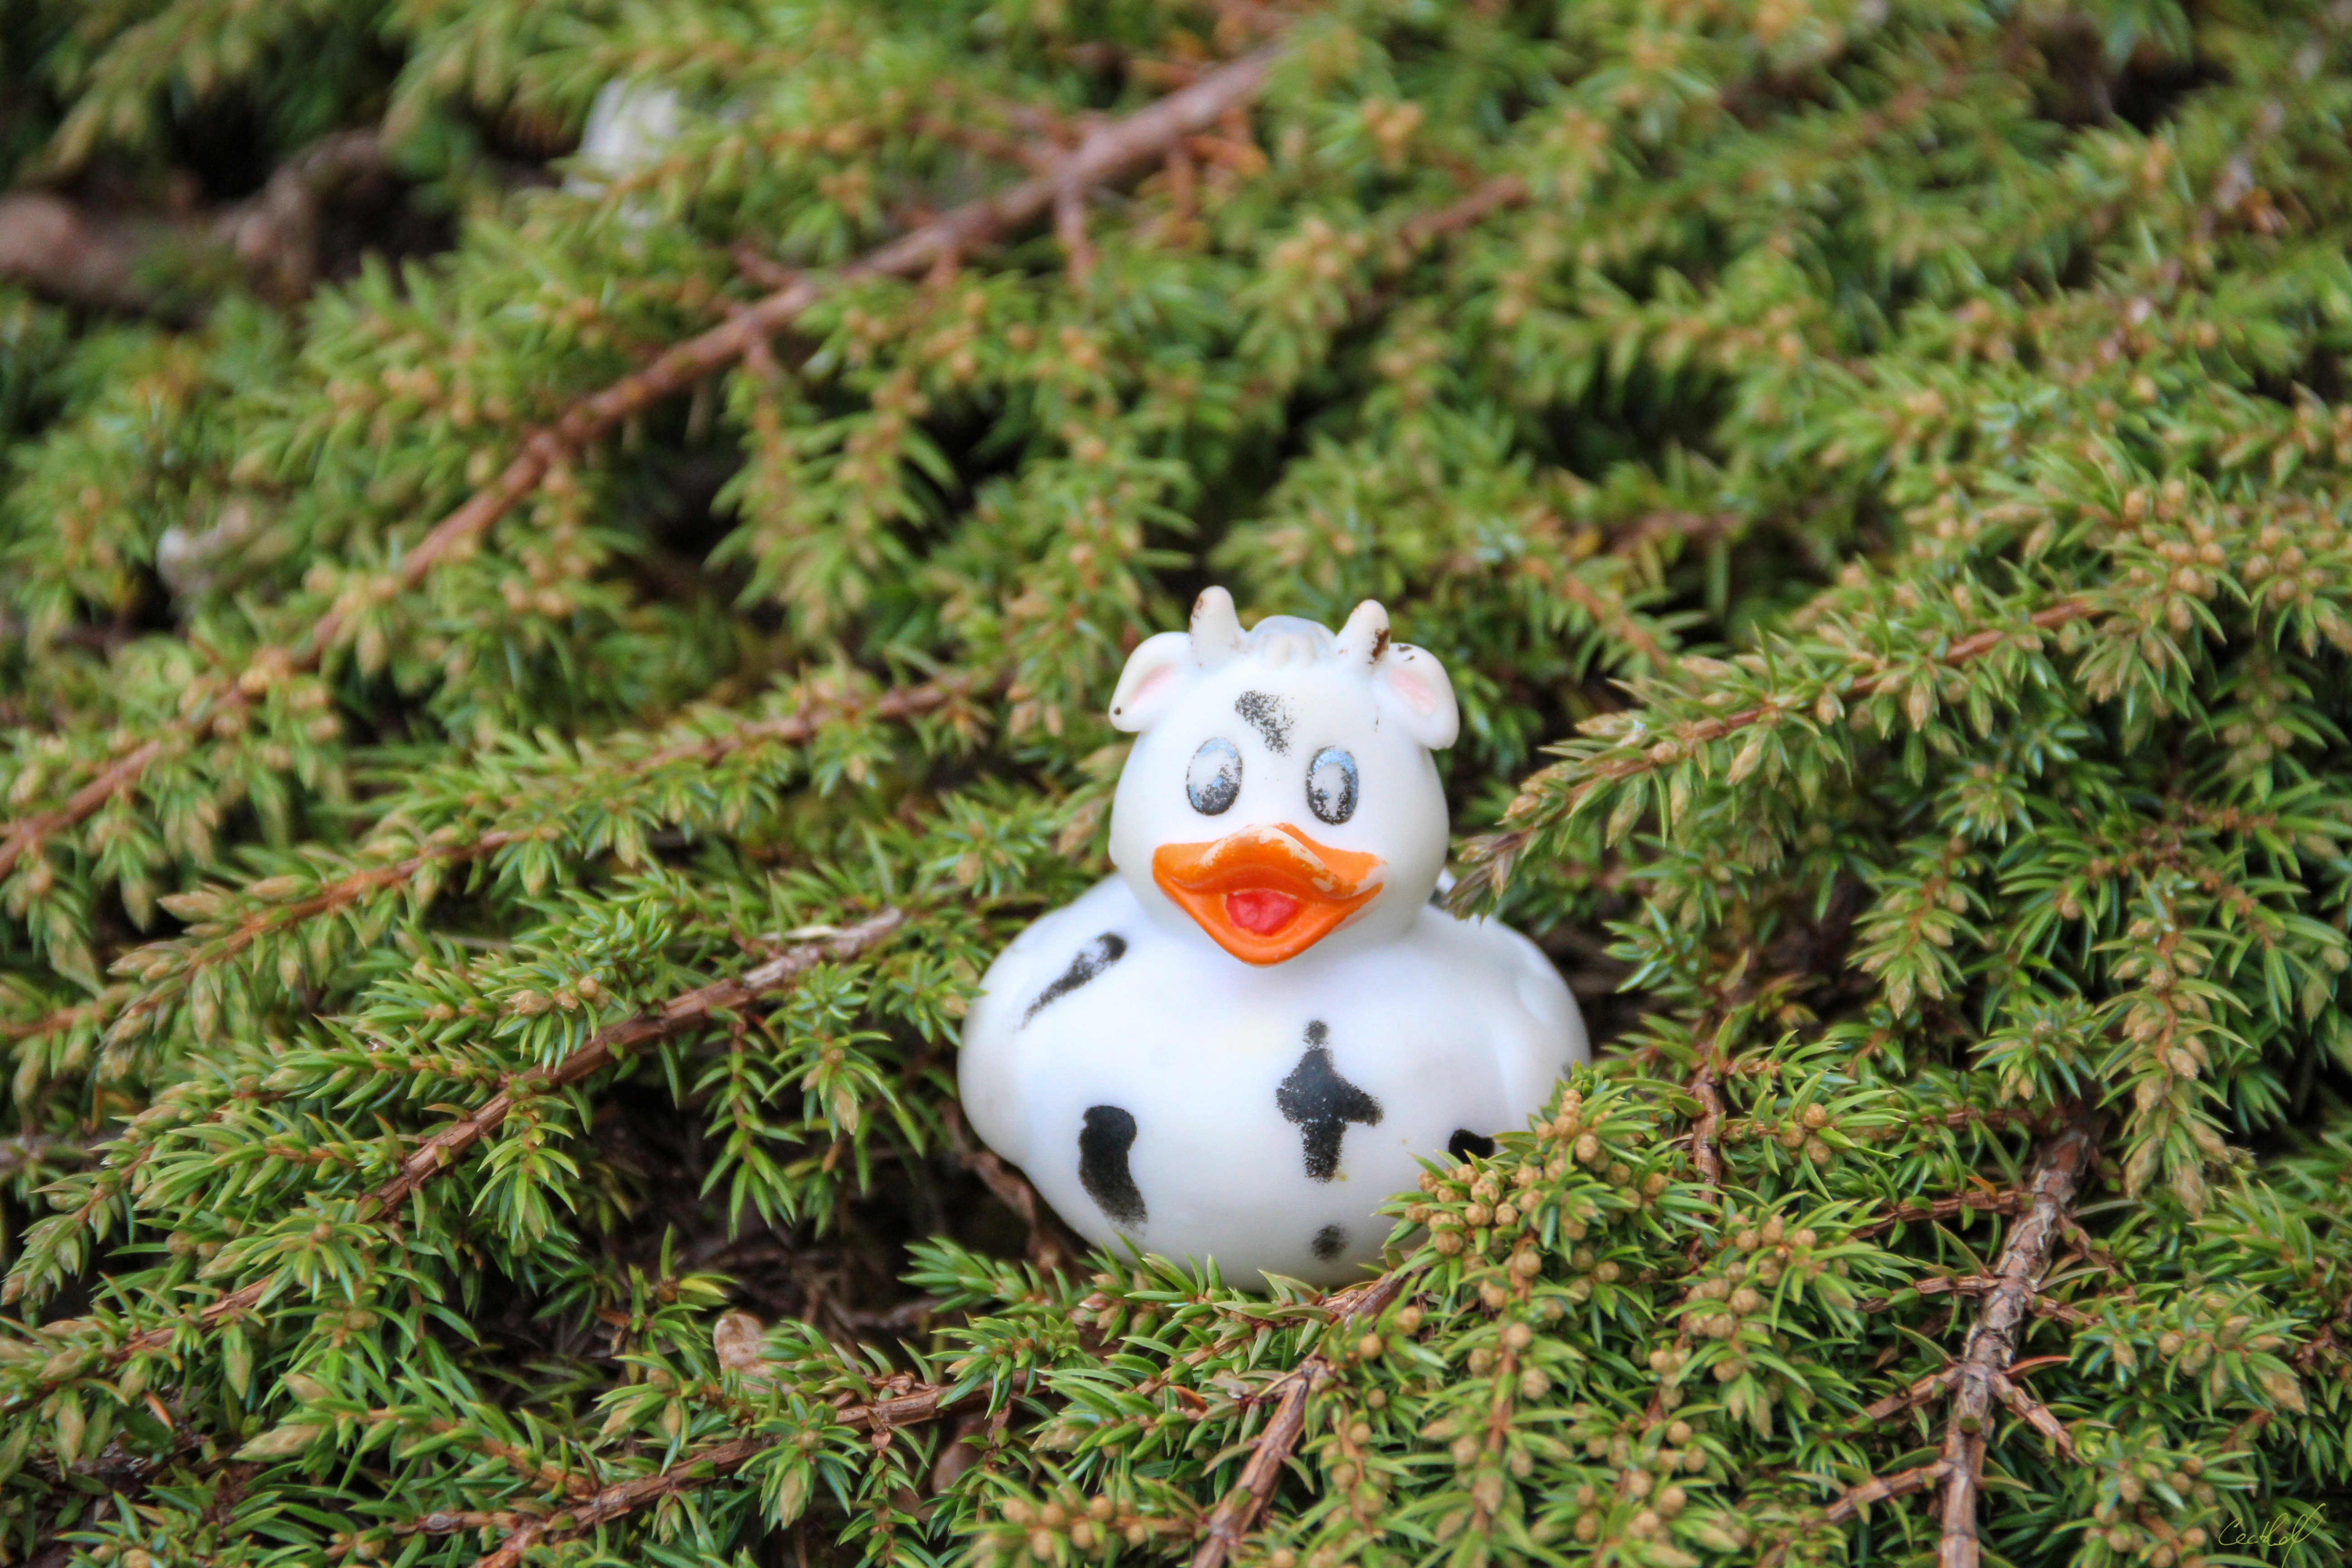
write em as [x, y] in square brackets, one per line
[530, 705]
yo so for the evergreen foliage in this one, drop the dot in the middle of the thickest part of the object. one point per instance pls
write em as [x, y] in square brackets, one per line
[515, 761]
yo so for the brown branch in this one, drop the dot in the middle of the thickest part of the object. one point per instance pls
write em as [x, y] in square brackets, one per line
[1503, 191]
[1257, 1323]
[138, 260]
[1617, 620]
[81, 254]
[510, 1551]
[1733, 990]
[1704, 1156]
[1920, 1393]
[1491, 852]
[1656, 526]
[444, 1148]
[1107, 155]
[925, 1404]
[61, 1019]
[1988, 1368]
[1991, 1346]
[1976, 645]
[24, 1154]
[117, 777]
[1879, 1488]
[898, 702]
[2033, 1413]
[1051, 1246]
[544, 1472]
[234, 1304]
[761, 271]
[1978, 1285]
[336, 895]
[121, 1006]
[274, 234]
[1238, 1513]
[1941, 1208]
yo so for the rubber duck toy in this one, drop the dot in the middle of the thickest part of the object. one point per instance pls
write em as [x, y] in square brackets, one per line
[1241, 1044]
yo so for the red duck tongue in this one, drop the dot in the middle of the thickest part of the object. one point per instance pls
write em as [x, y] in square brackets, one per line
[1260, 910]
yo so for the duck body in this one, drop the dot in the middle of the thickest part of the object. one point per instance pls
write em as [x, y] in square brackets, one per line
[1241, 1044]
[1162, 1096]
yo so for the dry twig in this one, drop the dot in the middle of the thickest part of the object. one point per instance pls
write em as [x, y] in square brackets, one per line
[1051, 1245]
[1238, 1513]
[116, 261]
[1501, 192]
[924, 1404]
[1704, 1157]
[1983, 1367]
[1232, 1520]
[1878, 1488]
[32, 1149]
[1918, 1393]
[121, 1007]
[1941, 1208]
[1977, 1285]
[1988, 1367]
[1489, 857]
[444, 1148]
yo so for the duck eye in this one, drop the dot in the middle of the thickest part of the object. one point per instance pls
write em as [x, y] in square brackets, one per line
[1215, 778]
[1331, 786]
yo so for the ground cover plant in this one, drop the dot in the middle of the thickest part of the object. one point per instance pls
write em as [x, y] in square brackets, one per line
[533, 688]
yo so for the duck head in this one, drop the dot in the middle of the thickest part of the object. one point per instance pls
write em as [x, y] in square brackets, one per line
[1281, 796]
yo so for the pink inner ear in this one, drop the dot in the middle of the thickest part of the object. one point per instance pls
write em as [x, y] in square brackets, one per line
[1419, 694]
[1157, 680]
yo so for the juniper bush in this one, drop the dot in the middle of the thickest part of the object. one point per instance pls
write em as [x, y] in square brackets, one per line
[529, 695]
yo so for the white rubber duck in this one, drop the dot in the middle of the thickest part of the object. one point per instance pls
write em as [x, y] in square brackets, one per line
[1239, 1046]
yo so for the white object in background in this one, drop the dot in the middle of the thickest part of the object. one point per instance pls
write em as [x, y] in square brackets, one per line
[1238, 1045]
[630, 125]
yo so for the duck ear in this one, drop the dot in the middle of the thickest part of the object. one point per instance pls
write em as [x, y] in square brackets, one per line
[1413, 689]
[1158, 668]
[1164, 665]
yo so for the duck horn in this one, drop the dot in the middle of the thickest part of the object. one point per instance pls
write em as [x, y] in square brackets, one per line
[1366, 635]
[1216, 630]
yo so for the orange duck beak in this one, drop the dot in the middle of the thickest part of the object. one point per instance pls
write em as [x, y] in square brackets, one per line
[1265, 892]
